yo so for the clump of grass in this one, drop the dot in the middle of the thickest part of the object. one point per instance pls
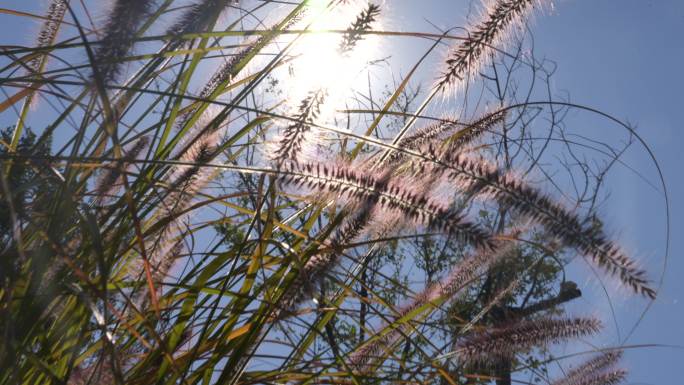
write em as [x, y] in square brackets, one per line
[92, 290]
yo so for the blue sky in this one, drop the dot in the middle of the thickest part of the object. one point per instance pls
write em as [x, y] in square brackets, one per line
[622, 57]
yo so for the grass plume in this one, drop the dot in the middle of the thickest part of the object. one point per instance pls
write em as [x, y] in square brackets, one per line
[510, 191]
[466, 58]
[502, 342]
[293, 138]
[118, 35]
[591, 370]
[355, 32]
[48, 32]
[361, 188]
[611, 377]
[199, 16]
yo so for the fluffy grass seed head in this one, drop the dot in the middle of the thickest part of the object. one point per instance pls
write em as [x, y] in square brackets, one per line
[361, 187]
[293, 139]
[590, 369]
[500, 343]
[199, 16]
[355, 32]
[118, 35]
[48, 32]
[465, 60]
[511, 191]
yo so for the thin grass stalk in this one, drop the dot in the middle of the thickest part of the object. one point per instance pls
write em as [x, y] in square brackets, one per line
[110, 181]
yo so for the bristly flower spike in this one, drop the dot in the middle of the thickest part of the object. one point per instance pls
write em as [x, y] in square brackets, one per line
[510, 191]
[119, 35]
[231, 67]
[501, 343]
[316, 268]
[184, 184]
[591, 369]
[362, 188]
[48, 32]
[361, 25]
[294, 136]
[612, 377]
[475, 130]
[198, 17]
[426, 137]
[466, 58]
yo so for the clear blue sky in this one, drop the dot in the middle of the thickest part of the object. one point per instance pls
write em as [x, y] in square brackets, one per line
[623, 57]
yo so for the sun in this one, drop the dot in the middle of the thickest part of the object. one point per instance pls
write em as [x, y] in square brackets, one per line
[319, 64]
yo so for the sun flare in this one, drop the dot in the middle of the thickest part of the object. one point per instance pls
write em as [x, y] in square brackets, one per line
[319, 63]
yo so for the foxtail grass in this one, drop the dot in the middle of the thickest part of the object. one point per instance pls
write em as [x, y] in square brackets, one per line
[361, 25]
[293, 138]
[594, 371]
[611, 377]
[199, 16]
[48, 32]
[501, 343]
[510, 191]
[466, 59]
[118, 36]
[359, 188]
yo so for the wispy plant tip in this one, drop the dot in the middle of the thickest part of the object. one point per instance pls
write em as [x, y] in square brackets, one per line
[466, 59]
